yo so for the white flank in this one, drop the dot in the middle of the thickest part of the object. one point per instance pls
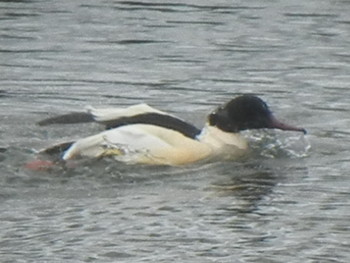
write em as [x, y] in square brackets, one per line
[142, 143]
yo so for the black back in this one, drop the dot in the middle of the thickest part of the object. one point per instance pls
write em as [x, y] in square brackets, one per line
[242, 113]
[162, 120]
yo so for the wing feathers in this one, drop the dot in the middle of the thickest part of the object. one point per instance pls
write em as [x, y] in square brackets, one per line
[99, 115]
[117, 117]
[110, 114]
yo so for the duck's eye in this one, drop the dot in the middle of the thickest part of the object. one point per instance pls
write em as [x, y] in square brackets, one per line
[213, 118]
[265, 107]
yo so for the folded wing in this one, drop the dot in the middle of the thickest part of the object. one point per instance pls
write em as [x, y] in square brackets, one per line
[99, 115]
[117, 117]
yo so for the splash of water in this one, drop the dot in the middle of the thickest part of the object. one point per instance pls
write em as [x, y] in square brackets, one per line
[274, 145]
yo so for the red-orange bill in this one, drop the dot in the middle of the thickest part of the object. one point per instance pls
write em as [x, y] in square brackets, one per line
[276, 124]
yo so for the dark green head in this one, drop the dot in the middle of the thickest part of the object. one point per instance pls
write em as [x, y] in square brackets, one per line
[247, 112]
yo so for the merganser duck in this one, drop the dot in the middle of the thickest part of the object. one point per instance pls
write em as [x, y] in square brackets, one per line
[142, 134]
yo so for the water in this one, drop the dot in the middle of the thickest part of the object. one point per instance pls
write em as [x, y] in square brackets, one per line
[287, 203]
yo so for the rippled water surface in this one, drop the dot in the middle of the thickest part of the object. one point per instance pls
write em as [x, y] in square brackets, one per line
[286, 203]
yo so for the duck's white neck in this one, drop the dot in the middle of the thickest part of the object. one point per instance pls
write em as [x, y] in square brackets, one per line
[220, 140]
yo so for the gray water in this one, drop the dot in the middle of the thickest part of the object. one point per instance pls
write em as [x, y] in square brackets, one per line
[288, 202]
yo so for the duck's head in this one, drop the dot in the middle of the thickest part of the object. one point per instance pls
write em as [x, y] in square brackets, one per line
[247, 112]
